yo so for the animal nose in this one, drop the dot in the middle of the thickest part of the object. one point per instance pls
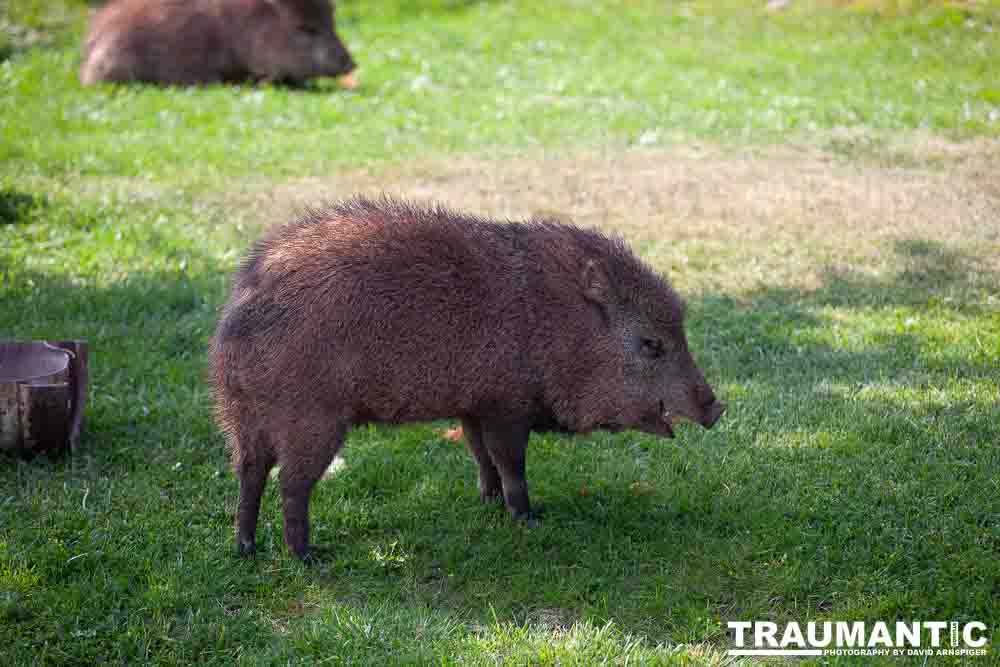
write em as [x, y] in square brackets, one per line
[345, 59]
[711, 413]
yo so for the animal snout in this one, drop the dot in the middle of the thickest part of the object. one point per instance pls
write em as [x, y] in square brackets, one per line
[711, 413]
[348, 62]
[332, 58]
[344, 62]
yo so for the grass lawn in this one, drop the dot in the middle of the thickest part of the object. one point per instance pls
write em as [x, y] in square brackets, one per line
[822, 184]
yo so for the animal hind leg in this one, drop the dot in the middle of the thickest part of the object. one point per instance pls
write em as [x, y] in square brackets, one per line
[304, 456]
[507, 443]
[252, 463]
[490, 485]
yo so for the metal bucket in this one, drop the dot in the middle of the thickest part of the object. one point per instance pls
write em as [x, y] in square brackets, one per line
[43, 390]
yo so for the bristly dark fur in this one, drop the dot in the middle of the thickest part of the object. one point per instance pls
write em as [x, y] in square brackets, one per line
[380, 310]
[185, 42]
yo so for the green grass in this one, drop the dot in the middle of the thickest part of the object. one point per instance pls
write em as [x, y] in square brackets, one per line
[855, 476]
[479, 75]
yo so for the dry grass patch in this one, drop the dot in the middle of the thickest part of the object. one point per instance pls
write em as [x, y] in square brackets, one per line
[887, 7]
[715, 219]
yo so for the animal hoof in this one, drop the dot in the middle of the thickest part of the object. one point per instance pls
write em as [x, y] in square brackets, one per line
[314, 555]
[490, 496]
[246, 549]
[306, 556]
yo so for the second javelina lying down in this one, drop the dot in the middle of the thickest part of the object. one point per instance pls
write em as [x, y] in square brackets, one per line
[389, 312]
[187, 42]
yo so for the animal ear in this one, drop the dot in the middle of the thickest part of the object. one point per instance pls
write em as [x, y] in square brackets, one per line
[596, 286]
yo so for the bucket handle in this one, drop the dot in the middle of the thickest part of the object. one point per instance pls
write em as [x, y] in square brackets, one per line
[77, 352]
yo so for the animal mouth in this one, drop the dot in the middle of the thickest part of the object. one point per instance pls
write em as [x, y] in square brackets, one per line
[667, 420]
[661, 424]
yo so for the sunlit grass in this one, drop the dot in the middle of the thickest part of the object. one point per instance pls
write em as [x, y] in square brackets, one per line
[484, 75]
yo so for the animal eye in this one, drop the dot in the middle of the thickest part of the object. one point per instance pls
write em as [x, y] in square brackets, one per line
[651, 347]
[310, 30]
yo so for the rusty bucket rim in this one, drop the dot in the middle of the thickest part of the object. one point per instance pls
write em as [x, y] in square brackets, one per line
[29, 346]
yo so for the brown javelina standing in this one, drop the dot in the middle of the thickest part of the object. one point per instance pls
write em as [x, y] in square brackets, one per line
[384, 311]
[187, 42]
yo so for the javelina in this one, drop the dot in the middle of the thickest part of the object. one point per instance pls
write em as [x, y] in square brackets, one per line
[384, 311]
[205, 41]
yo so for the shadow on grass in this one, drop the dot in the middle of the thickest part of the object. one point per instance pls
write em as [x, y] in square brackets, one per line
[817, 495]
[17, 207]
[765, 322]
